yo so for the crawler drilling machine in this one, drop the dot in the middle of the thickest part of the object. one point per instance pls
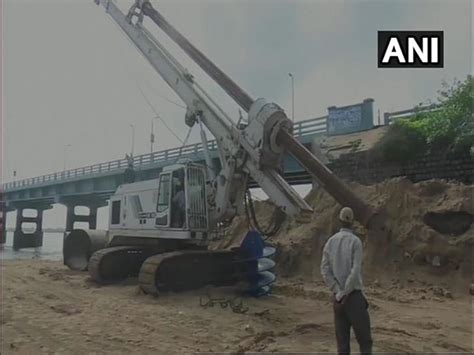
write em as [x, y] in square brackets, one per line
[166, 245]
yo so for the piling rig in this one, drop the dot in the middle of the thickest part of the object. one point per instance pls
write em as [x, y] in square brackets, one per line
[148, 233]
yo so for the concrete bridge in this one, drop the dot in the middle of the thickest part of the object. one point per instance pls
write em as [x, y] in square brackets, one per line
[91, 186]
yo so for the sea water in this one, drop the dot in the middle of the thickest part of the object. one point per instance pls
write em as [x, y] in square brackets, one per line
[51, 249]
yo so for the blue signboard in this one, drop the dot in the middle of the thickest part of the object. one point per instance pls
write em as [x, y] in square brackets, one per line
[349, 119]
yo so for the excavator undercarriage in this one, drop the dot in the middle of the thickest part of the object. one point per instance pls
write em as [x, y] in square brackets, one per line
[183, 270]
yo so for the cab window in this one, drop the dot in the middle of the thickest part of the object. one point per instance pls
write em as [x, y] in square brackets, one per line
[178, 200]
[115, 212]
[162, 207]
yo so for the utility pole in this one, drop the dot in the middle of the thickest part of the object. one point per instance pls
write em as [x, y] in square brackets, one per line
[152, 133]
[152, 137]
[65, 156]
[292, 96]
[133, 138]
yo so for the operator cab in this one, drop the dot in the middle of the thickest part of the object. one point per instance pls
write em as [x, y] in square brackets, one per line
[173, 206]
[181, 200]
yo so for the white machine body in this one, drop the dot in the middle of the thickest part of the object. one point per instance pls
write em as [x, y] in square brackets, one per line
[171, 207]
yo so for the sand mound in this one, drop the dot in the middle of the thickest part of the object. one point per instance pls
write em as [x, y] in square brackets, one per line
[430, 232]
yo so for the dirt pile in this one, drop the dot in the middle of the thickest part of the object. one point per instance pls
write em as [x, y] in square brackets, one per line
[430, 226]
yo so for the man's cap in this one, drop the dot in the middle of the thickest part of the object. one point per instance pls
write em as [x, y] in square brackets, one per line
[346, 215]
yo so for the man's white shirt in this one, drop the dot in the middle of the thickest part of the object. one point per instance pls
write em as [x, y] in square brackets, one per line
[341, 265]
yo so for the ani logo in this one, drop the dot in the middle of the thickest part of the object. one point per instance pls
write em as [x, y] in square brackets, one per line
[410, 49]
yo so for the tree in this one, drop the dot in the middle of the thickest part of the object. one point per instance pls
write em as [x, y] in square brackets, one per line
[449, 128]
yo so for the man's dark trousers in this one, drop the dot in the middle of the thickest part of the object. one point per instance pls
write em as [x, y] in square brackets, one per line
[353, 312]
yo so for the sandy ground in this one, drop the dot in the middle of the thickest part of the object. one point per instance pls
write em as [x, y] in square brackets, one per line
[47, 308]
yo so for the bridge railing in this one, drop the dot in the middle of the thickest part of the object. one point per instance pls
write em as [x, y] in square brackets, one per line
[300, 129]
[390, 117]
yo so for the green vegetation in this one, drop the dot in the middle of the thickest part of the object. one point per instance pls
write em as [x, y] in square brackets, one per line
[448, 129]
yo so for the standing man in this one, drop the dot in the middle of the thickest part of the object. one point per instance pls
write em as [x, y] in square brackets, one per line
[341, 268]
[178, 214]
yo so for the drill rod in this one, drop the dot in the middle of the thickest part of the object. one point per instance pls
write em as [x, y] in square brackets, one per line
[330, 182]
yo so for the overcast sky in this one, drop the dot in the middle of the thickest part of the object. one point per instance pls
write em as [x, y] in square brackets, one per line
[71, 77]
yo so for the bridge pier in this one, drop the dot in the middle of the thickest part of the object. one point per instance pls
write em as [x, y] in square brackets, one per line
[72, 217]
[3, 224]
[3, 219]
[91, 202]
[34, 239]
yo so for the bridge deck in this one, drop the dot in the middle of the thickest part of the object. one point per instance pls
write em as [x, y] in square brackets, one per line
[102, 179]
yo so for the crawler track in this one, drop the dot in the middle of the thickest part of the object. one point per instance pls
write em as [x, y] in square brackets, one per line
[176, 270]
[116, 263]
[186, 270]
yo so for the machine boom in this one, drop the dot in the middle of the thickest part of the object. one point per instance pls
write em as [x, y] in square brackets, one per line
[238, 155]
[331, 183]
